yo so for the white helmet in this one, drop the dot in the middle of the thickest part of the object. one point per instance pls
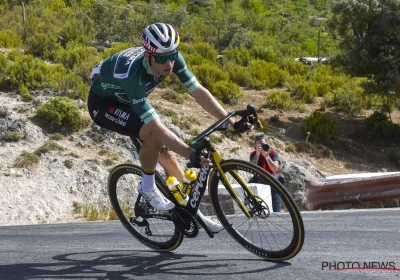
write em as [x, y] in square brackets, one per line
[160, 38]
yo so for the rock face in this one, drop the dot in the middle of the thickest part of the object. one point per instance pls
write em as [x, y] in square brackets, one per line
[50, 191]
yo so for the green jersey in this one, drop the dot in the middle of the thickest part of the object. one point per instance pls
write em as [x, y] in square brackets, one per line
[126, 77]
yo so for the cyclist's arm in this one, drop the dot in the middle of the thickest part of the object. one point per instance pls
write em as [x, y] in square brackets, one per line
[202, 96]
[206, 100]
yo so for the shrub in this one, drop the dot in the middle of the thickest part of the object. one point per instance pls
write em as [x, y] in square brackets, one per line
[264, 124]
[60, 112]
[321, 127]
[238, 74]
[56, 136]
[279, 99]
[68, 164]
[13, 136]
[306, 91]
[24, 92]
[208, 74]
[172, 96]
[26, 160]
[72, 86]
[9, 39]
[28, 71]
[237, 56]
[42, 45]
[207, 51]
[379, 126]
[73, 57]
[109, 154]
[350, 99]
[47, 147]
[227, 92]
[265, 75]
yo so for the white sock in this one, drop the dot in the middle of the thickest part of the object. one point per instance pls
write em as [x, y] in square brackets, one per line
[148, 182]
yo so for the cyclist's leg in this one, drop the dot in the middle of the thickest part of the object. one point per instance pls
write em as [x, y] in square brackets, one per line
[106, 113]
[170, 164]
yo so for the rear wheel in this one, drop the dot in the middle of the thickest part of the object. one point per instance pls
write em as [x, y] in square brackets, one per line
[154, 229]
[275, 236]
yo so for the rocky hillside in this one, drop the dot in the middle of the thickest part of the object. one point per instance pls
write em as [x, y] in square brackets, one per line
[76, 173]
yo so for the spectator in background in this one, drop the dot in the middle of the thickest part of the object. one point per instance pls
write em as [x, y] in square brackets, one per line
[268, 159]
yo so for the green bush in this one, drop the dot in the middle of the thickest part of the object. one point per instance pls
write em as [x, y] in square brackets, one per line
[266, 53]
[76, 56]
[306, 91]
[173, 96]
[237, 56]
[24, 92]
[321, 127]
[208, 74]
[72, 86]
[47, 147]
[207, 51]
[351, 99]
[226, 91]
[378, 126]
[238, 74]
[28, 71]
[280, 99]
[42, 45]
[12, 136]
[265, 75]
[26, 159]
[9, 39]
[60, 112]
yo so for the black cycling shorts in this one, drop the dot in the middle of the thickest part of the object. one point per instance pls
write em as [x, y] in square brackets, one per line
[114, 116]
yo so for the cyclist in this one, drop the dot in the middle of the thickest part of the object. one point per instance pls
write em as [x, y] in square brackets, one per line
[118, 101]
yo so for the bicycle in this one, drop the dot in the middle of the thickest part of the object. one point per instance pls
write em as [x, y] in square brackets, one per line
[243, 208]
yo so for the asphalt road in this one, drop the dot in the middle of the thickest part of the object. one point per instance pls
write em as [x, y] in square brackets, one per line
[105, 250]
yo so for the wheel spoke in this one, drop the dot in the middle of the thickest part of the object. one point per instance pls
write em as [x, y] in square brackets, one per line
[275, 236]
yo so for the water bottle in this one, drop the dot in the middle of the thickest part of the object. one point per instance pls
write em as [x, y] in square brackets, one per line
[175, 187]
[188, 181]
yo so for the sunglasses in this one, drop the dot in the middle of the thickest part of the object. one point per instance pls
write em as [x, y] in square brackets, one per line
[162, 59]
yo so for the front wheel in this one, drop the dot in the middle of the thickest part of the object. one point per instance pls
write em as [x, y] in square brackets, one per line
[274, 236]
[154, 229]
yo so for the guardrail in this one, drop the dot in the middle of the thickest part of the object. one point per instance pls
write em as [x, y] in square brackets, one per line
[323, 194]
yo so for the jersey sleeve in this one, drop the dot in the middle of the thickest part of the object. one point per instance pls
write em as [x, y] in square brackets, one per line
[184, 74]
[137, 99]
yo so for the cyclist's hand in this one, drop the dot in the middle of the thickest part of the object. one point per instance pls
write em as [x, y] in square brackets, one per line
[197, 160]
[242, 126]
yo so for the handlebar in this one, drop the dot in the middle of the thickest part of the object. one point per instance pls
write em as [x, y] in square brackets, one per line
[218, 126]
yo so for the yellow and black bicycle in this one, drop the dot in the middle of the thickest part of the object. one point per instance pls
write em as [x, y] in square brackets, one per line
[243, 208]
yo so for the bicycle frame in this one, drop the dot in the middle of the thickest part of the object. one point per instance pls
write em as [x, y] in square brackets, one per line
[202, 142]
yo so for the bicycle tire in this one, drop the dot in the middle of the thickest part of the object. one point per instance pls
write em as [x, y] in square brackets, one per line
[176, 237]
[294, 245]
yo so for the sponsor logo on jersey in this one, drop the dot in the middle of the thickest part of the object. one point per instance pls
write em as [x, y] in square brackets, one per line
[125, 60]
[106, 86]
[136, 101]
[116, 120]
[181, 70]
[121, 114]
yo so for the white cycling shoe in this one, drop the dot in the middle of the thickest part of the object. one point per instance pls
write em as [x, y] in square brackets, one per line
[214, 225]
[156, 199]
